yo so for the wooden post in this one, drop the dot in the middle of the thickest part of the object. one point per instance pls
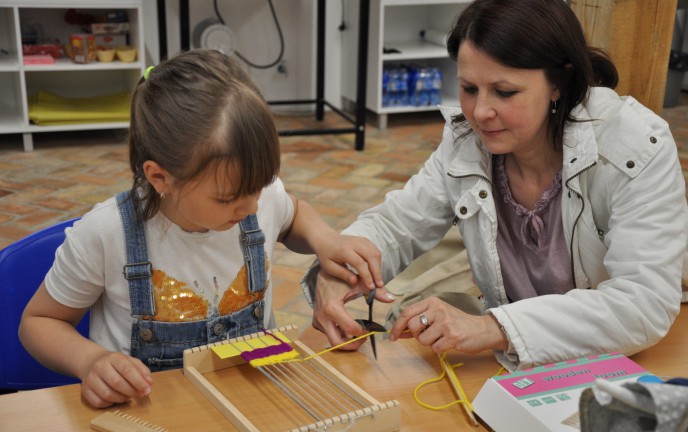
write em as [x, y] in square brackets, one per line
[637, 35]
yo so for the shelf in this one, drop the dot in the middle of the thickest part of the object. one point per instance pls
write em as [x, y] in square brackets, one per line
[447, 100]
[10, 122]
[81, 126]
[19, 82]
[420, 2]
[401, 25]
[414, 50]
[65, 64]
[9, 65]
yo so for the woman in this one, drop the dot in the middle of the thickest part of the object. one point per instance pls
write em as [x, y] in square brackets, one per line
[570, 200]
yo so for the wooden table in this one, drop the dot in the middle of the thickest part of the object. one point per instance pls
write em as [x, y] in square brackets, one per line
[177, 405]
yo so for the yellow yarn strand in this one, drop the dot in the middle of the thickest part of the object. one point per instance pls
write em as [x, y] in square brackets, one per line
[342, 344]
[273, 359]
[463, 400]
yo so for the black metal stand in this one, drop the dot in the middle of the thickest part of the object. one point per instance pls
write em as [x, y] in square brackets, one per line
[358, 122]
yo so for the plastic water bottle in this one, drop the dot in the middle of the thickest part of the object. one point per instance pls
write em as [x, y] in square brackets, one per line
[436, 87]
[386, 91]
[403, 87]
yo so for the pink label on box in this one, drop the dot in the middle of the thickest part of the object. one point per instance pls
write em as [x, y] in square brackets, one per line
[562, 376]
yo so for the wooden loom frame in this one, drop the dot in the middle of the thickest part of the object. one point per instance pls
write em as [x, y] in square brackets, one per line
[377, 417]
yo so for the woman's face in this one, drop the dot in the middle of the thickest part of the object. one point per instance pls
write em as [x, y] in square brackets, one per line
[506, 107]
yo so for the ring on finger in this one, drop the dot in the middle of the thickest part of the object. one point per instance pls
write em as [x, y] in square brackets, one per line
[423, 320]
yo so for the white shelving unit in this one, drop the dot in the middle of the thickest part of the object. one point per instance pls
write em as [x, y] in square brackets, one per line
[19, 81]
[398, 24]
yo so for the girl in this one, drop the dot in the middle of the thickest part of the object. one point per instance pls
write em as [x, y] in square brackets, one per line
[183, 258]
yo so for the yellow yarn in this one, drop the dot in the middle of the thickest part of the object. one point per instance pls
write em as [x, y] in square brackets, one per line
[342, 344]
[463, 400]
[273, 359]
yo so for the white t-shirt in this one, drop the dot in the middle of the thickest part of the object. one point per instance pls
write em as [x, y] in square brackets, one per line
[87, 271]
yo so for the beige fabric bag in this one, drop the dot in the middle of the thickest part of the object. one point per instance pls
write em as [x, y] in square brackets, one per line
[442, 272]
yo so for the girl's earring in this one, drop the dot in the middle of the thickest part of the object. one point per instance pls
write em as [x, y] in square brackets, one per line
[554, 107]
[162, 195]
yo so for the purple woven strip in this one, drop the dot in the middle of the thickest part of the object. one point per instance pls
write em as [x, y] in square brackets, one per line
[259, 353]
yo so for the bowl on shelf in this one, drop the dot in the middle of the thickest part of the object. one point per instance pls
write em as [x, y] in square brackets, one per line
[105, 55]
[126, 54]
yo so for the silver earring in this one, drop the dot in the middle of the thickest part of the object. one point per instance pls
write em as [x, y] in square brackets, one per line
[162, 195]
[554, 107]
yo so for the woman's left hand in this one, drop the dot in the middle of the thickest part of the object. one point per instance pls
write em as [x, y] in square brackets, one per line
[448, 328]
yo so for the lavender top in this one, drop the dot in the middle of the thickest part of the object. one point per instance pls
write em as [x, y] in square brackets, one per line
[533, 253]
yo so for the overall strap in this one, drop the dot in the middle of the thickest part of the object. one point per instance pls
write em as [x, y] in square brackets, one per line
[252, 240]
[138, 270]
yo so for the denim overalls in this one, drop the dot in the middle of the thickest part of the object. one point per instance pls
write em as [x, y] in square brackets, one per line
[160, 344]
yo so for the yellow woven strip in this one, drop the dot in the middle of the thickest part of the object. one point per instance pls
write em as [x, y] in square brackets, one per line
[273, 359]
[232, 350]
[226, 351]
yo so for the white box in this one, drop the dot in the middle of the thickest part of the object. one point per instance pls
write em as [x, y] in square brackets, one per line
[546, 398]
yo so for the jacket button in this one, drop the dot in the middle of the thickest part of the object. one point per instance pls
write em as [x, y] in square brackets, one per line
[463, 210]
[630, 164]
[146, 335]
[482, 194]
[258, 312]
[219, 329]
[653, 140]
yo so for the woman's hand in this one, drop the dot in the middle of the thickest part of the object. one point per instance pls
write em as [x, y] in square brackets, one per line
[115, 378]
[330, 315]
[449, 328]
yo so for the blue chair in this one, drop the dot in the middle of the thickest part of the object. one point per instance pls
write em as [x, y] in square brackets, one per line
[23, 266]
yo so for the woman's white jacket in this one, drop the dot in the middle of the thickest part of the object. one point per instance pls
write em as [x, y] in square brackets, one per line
[625, 220]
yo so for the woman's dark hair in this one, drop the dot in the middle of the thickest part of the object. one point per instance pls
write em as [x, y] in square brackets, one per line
[536, 34]
[196, 111]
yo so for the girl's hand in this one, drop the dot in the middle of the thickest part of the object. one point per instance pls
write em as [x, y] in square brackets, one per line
[330, 315]
[449, 328]
[115, 378]
[354, 260]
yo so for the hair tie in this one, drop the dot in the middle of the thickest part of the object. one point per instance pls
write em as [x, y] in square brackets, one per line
[148, 69]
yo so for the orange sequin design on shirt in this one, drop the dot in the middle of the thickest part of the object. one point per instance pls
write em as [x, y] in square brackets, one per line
[237, 295]
[176, 302]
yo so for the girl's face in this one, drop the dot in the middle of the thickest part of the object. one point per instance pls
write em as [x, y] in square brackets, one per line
[506, 107]
[208, 203]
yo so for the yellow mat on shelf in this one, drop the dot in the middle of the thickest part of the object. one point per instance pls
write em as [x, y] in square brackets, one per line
[49, 109]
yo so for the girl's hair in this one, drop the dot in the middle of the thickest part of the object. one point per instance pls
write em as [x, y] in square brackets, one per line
[197, 111]
[536, 34]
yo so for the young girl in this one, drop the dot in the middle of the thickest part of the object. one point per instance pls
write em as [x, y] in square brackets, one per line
[183, 258]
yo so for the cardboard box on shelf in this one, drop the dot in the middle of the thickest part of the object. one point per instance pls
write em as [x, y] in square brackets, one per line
[109, 28]
[38, 59]
[110, 40]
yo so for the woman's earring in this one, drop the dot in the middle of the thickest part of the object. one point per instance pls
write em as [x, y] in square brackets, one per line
[162, 195]
[553, 104]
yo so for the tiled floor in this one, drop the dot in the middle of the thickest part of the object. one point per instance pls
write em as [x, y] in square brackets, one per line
[69, 172]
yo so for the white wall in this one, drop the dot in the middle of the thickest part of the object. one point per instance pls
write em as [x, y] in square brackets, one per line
[257, 39]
